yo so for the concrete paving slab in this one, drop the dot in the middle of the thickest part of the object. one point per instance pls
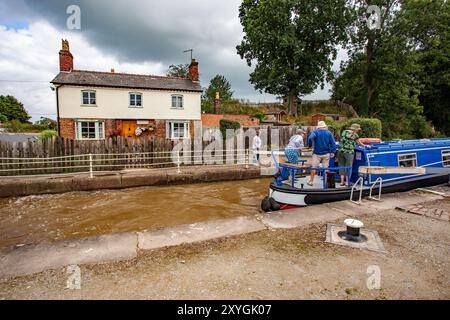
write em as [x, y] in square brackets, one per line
[293, 218]
[198, 232]
[37, 258]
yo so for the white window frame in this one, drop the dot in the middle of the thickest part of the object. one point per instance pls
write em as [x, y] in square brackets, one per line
[186, 131]
[89, 98]
[135, 100]
[445, 153]
[407, 154]
[99, 132]
[177, 101]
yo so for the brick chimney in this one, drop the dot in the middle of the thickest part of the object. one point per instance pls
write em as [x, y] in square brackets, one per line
[65, 57]
[193, 70]
[217, 103]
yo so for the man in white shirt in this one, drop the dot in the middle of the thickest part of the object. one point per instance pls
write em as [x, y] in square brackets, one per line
[257, 144]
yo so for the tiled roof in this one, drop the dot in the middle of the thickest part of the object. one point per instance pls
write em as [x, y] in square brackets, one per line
[125, 80]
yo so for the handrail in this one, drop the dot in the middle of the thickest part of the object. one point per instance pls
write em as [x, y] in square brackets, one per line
[379, 179]
[359, 181]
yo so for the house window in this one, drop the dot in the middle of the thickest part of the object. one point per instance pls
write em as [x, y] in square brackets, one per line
[177, 101]
[135, 100]
[88, 97]
[90, 130]
[446, 158]
[179, 130]
[407, 160]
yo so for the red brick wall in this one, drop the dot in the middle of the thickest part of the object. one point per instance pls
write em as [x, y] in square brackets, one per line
[213, 120]
[67, 128]
[65, 61]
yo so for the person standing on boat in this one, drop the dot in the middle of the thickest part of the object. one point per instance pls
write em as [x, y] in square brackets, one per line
[346, 151]
[256, 144]
[324, 147]
[293, 150]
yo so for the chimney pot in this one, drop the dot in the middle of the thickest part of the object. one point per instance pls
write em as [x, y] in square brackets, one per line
[65, 57]
[193, 70]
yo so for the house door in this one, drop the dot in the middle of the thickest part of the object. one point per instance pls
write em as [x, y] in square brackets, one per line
[128, 128]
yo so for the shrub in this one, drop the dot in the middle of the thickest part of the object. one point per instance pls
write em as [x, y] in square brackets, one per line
[228, 124]
[44, 135]
[334, 127]
[370, 127]
[3, 118]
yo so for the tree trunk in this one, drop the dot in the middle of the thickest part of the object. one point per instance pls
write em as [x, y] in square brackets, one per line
[292, 104]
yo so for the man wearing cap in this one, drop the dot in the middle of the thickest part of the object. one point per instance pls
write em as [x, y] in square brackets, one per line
[346, 152]
[324, 147]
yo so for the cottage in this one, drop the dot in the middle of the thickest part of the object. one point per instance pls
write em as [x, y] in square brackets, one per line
[93, 105]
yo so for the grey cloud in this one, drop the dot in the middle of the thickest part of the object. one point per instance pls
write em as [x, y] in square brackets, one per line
[138, 31]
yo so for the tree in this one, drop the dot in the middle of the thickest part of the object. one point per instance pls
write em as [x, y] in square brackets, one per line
[13, 109]
[221, 84]
[292, 44]
[427, 25]
[47, 123]
[385, 77]
[179, 70]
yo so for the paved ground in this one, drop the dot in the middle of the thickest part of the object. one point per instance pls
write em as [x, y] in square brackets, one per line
[270, 264]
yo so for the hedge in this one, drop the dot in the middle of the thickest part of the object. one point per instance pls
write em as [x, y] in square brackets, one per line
[228, 124]
[370, 127]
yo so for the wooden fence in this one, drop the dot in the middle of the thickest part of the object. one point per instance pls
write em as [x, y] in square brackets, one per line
[59, 155]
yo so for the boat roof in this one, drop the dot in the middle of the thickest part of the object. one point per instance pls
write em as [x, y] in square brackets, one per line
[399, 144]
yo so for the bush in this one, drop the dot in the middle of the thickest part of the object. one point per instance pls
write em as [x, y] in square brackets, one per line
[335, 127]
[228, 124]
[371, 127]
[44, 135]
[3, 118]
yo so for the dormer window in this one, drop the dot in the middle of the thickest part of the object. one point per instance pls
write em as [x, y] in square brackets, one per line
[177, 101]
[135, 100]
[88, 98]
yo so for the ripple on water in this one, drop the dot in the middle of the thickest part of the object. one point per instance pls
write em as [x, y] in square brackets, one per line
[78, 214]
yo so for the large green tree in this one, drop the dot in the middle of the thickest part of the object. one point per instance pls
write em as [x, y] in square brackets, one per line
[222, 85]
[382, 77]
[179, 70]
[292, 43]
[427, 24]
[13, 109]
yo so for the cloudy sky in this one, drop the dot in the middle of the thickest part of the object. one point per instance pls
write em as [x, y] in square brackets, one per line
[136, 36]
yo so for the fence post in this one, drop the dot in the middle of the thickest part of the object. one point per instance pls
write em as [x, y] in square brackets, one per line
[246, 158]
[91, 174]
[178, 162]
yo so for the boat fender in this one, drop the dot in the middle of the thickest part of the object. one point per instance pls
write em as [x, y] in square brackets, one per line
[274, 205]
[265, 204]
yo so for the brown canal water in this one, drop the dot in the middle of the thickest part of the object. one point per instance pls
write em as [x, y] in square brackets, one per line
[34, 219]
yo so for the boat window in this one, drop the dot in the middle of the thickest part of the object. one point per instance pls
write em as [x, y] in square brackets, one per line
[407, 160]
[446, 158]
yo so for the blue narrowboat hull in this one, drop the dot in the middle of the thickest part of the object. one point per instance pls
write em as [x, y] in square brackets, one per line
[433, 153]
[318, 196]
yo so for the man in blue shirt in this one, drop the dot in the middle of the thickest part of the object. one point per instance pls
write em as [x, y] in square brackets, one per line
[324, 147]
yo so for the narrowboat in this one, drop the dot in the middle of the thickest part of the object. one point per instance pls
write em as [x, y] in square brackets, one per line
[394, 166]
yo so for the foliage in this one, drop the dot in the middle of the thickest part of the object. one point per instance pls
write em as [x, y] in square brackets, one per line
[3, 118]
[381, 77]
[259, 115]
[370, 127]
[179, 70]
[46, 123]
[228, 124]
[221, 84]
[13, 109]
[291, 43]
[44, 135]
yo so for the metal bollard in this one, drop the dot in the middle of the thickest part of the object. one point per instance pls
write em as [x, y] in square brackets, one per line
[178, 162]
